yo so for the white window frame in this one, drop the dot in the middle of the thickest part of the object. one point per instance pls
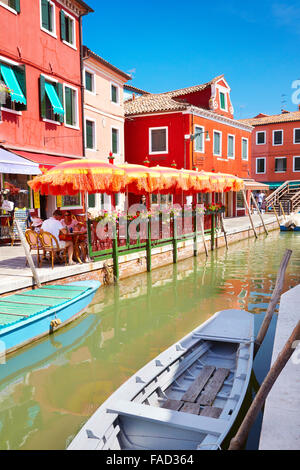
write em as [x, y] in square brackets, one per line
[265, 166]
[226, 100]
[247, 140]
[294, 134]
[273, 134]
[51, 33]
[198, 128]
[150, 140]
[280, 171]
[117, 103]
[118, 140]
[8, 8]
[228, 156]
[217, 132]
[91, 72]
[265, 136]
[73, 46]
[76, 126]
[94, 149]
[294, 159]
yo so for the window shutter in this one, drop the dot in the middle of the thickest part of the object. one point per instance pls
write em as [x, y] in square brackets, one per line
[42, 97]
[63, 33]
[68, 104]
[92, 200]
[114, 141]
[89, 135]
[60, 94]
[20, 74]
[45, 15]
[17, 6]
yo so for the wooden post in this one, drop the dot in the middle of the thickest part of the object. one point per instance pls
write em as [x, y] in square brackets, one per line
[203, 234]
[282, 210]
[28, 255]
[212, 234]
[223, 230]
[195, 234]
[115, 253]
[249, 213]
[238, 441]
[276, 215]
[148, 245]
[260, 214]
[273, 302]
[175, 254]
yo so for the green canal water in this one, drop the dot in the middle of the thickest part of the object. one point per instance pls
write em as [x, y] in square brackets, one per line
[48, 391]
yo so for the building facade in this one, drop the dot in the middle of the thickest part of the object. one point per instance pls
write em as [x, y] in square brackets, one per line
[193, 128]
[275, 143]
[40, 65]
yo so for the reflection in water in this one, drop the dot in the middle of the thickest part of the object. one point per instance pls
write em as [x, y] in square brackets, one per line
[48, 391]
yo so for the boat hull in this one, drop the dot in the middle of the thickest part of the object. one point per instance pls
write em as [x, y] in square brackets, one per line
[154, 410]
[33, 328]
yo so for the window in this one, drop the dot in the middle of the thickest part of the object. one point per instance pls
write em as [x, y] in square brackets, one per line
[90, 134]
[223, 101]
[280, 164]
[260, 138]
[158, 140]
[231, 146]
[92, 201]
[296, 164]
[260, 165]
[199, 139]
[278, 137]
[48, 17]
[51, 100]
[296, 136]
[13, 78]
[67, 28]
[13, 5]
[115, 94]
[89, 81]
[19, 190]
[217, 143]
[240, 203]
[115, 141]
[70, 201]
[71, 106]
[244, 149]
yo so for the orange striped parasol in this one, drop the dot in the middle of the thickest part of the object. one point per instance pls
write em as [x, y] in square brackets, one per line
[141, 179]
[70, 178]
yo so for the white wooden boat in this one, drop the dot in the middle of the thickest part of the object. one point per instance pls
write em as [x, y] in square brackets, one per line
[186, 398]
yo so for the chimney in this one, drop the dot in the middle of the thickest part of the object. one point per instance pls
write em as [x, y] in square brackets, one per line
[284, 111]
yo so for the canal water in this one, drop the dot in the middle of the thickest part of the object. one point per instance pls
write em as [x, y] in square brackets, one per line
[49, 390]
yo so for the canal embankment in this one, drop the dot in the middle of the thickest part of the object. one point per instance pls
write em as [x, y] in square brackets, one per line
[281, 420]
[15, 276]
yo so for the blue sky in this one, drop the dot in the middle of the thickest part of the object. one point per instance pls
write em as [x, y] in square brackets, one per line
[174, 44]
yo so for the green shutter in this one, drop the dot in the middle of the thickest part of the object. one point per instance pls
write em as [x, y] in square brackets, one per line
[222, 101]
[20, 74]
[70, 31]
[114, 94]
[88, 81]
[42, 97]
[114, 141]
[69, 107]
[89, 134]
[92, 201]
[60, 94]
[46, 15]
[15, 4]
[63, 33]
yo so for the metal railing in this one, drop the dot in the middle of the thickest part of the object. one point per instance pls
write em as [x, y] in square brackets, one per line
[286, 191]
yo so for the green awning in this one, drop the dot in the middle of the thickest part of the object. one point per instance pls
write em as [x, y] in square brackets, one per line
[12, 83]
[275, 185]
[54, 99]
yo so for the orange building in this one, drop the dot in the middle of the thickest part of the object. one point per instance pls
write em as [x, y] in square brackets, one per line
[192, 127]
[275, 143]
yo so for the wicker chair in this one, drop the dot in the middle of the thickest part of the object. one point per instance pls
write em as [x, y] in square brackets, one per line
[50, 245]
[34, 243]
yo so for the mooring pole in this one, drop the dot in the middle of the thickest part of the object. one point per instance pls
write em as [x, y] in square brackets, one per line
[249, 213]
[259, 212]
[195, 234]
[148, 245]
[273, 302]
[212, 235]
[28, 255]
[276, 215]
[238, 441]
[175, 255]
[115, 252]
[223, 230]
[203, 234]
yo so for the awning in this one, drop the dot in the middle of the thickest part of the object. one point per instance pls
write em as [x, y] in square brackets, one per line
[54, 99]
[12, 163]
[252, 185]
[275, 185]
[44, 160]
[12, 83]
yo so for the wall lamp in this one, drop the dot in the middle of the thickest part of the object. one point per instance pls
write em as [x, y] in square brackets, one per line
[192, 137]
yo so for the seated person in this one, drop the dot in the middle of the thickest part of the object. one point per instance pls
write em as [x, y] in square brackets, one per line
[68, 221]
[82, 239]
[54, 226]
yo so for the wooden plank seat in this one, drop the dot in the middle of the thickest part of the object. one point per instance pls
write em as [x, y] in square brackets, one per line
[197, 386]
[193, 408]
[213, 387]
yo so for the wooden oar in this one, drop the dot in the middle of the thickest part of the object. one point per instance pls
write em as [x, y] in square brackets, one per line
[238, 441]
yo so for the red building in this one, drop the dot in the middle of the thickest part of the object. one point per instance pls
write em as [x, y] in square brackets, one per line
[193, 127]
[275, 145]
[40, 62]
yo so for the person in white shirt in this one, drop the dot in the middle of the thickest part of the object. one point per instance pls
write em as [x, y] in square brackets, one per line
[260, 200]
[55, 227]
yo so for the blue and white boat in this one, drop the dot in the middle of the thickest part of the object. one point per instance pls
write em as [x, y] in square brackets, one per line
[188, 397]
[30, 315]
